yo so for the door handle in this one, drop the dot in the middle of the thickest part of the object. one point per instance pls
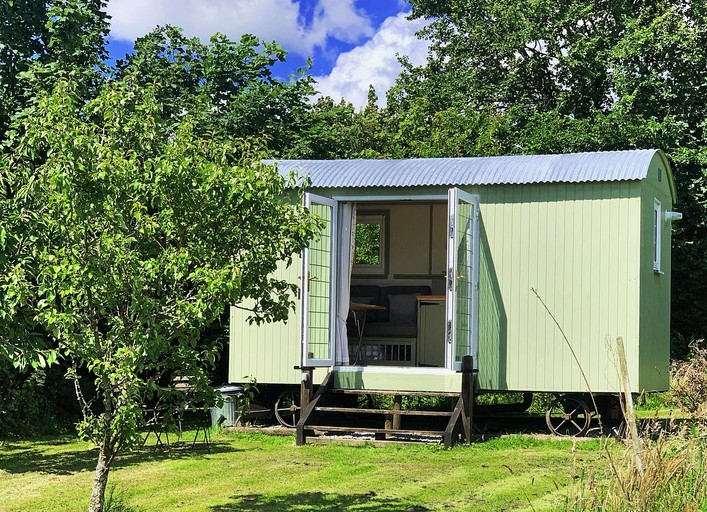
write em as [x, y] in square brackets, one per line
[310, 278]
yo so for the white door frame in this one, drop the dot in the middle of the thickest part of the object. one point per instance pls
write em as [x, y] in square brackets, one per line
[456, 196]
[309, 199]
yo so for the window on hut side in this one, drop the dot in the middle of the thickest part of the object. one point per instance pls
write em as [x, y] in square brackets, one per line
[656, 234]
[370, 244]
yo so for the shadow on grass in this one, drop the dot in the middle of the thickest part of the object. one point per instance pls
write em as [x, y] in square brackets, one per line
[23, 459]
[316, 501]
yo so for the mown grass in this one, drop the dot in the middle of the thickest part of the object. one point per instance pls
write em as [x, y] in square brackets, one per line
[254, 472]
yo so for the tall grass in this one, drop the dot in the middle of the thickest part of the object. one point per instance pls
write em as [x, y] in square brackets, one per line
[674, 475]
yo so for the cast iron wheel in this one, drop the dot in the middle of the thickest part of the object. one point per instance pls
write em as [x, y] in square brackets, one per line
[287, 409]
[568, 416]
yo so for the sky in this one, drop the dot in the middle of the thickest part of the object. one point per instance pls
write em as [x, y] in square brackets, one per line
[352, 43]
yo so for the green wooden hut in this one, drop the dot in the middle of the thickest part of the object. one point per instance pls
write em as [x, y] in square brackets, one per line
[440, 258]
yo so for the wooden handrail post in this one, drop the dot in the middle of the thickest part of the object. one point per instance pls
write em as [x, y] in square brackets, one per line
[397, 405]
[308, 403]
[467, 396]
[306, 387]
[392, 421]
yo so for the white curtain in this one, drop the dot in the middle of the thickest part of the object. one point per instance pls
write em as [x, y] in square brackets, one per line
[347, 235]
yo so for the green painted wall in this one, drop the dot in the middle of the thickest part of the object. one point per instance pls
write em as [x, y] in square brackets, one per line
[654, 350]
[578, 245]
[585, 247]
[268, 351]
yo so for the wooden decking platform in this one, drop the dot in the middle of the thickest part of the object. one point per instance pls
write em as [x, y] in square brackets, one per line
[336, 408]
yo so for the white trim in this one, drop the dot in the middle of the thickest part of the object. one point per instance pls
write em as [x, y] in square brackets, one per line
[372, 218]
[403, 370]
[362, 199]
[657, 234]
[456, 196]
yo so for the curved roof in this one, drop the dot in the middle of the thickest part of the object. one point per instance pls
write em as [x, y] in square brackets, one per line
[495, 170]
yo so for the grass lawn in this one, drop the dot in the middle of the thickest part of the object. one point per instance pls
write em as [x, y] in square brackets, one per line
[255, 472]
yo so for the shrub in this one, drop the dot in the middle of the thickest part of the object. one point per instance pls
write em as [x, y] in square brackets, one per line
[35, 402]
[688, 387]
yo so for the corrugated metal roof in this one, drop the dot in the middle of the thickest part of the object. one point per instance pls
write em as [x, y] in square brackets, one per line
[565, 168]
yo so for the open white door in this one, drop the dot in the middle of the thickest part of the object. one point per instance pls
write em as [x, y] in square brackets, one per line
[462, 278]
[318, 278]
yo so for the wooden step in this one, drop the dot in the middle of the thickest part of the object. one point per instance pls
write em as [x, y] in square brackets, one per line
[401, 393]
[402, 412]
[366, 430]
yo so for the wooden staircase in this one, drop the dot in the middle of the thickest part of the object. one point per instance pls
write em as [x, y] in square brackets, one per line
[329, 411]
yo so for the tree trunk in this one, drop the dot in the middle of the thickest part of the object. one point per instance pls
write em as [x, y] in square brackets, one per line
[100, 481]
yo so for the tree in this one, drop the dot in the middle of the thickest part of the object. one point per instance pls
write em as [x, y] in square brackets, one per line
[131, 229]
[529, 76]
[59, 34]
[38, 41]
[235, 79]
[330, 130]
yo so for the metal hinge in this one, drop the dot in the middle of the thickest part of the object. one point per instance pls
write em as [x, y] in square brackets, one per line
[449, 331]
[450, 279]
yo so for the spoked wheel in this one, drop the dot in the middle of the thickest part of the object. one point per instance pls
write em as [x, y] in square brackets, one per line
[568, 416]
[287, 409]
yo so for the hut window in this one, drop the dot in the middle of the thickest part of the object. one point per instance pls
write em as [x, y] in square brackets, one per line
[370, 244]
[656, 235]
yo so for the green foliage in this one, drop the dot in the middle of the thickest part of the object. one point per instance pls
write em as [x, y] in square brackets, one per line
[368, 244]
[688, 382]
[25, 408]
[330, 130]
[38, 41]
[652, 402]
[59, 35]
[247, 396]
[233, 81]
[415, 403]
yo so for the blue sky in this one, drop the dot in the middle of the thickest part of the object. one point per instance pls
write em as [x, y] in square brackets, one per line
[353, 43]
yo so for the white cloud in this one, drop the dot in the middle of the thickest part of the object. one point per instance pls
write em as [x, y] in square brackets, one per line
[277, 20]
[375, 62]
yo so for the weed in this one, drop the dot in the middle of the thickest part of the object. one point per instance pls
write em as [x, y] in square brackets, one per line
[652, 401]
[246, 397]
[688, 387]
[115, 501]
[674, 478]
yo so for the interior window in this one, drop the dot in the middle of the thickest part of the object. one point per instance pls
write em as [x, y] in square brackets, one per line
[370, 244]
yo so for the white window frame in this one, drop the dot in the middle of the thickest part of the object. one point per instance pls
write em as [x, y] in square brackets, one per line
[372, 218]
[657, 234]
